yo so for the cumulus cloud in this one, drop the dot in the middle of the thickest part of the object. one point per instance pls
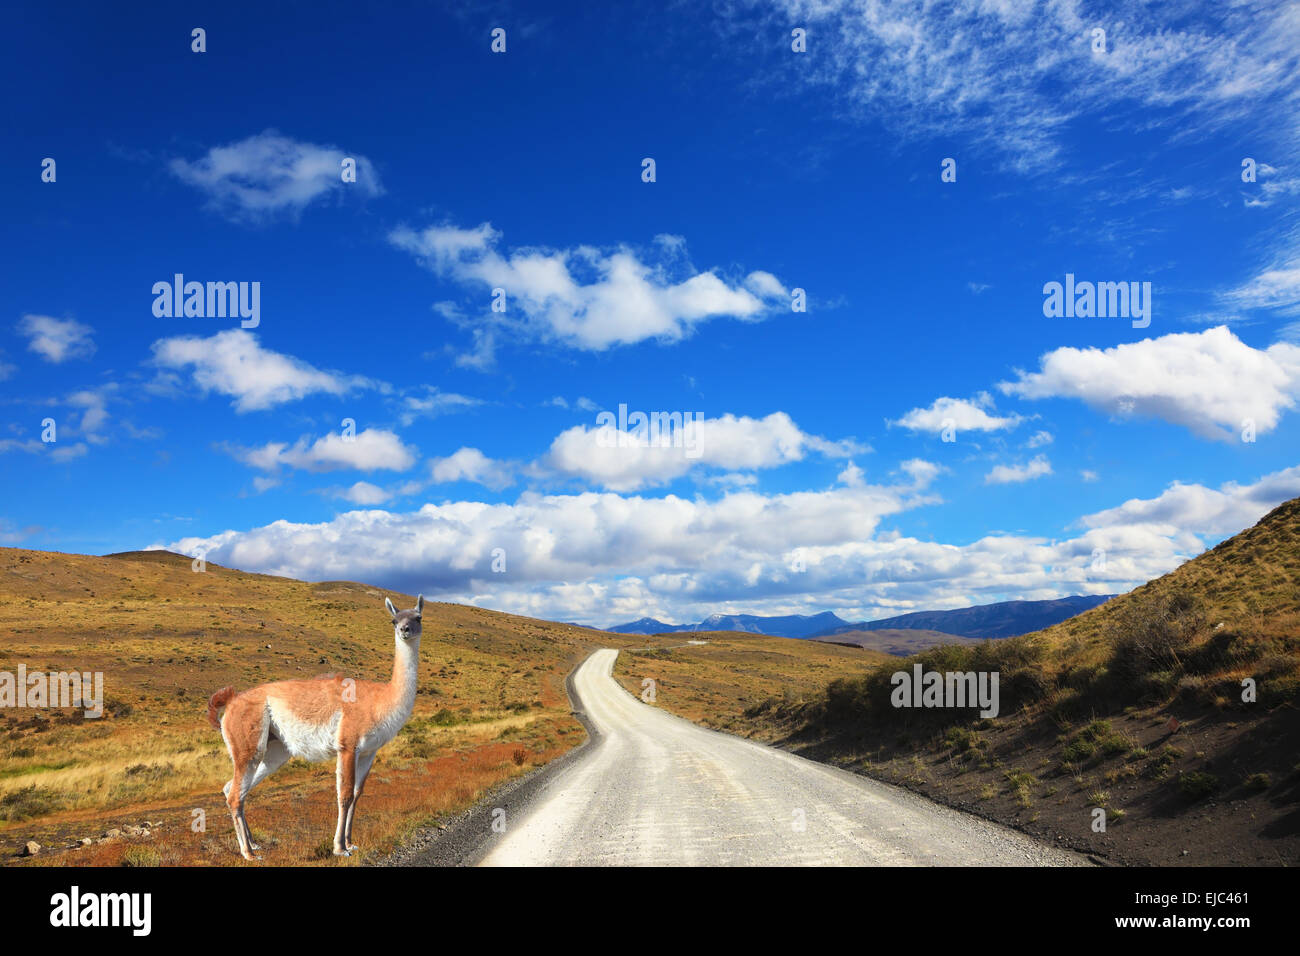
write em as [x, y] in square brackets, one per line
[373, 449]
[626, 460]
[364, 493]
[57, 340]
[1209, 382]
[269, 173]
[557, 537]
[1014, 474]
[958, 413]
[470, 464]
[234, 363]
[1213, 511]
[599, 557]
[584, 297]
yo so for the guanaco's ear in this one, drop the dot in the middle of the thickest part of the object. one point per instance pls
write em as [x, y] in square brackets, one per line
[419, 605]
[391, 610]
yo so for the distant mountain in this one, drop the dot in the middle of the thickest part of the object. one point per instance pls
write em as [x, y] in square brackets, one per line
[648, 625]
[1005, 619]
[790, 625]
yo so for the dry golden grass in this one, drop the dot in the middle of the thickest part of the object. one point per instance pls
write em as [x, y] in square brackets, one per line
[714, 683]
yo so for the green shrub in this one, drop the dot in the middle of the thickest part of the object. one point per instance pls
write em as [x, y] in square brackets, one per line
[1153, 634]
[27, 802]
[141, 856]
[1259, 781]
[1197, 784]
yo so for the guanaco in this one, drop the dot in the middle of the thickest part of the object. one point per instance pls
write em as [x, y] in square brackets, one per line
[330, 717]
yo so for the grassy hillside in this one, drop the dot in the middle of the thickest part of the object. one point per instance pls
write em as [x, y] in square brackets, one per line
[900, 641]
[714, 677]
[491, 705]
[1135, 707]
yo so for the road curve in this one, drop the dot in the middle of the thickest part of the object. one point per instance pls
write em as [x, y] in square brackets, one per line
[655, 790]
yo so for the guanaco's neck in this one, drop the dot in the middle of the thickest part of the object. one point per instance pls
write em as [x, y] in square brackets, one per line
[406, 674]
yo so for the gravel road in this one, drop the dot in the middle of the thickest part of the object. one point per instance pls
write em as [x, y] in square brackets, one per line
[652, 789]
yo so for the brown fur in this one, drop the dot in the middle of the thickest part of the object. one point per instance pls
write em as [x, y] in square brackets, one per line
[216, 702]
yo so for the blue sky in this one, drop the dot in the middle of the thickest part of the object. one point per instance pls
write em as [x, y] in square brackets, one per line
[1088, 455]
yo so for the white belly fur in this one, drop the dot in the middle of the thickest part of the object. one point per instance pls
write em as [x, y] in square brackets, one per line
[309, 741]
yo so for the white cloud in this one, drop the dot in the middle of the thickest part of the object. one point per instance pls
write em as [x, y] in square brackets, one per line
[270, 173]
[1209, 382]
[364, 493]
[733, 480]
[852, 476]
[65, 452]
[1014, 474]
[557, 537]
[369, 450]
[470, 464]
[434, 402]
[599, 557]
[234, 363]
[1039, 439]
[93, 419]
[1011, 77]
[1271, 186]
[584, 297]
[57, 340]
[632, 459]
[581, 403]
[1193, 507]
[958, 413]
[921, 472]
[1277, 287]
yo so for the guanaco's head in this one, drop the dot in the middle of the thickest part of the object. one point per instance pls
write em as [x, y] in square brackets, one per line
[406, 624]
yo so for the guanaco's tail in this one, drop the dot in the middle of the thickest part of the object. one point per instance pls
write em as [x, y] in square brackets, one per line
[216, 702]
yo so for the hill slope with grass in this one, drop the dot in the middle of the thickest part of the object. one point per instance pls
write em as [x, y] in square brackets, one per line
[1135, 708]
[899, 642]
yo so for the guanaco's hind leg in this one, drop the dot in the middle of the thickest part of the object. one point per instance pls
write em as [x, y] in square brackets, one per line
[363, 771]
[276, 756]
[245, 729]
[346, 778]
